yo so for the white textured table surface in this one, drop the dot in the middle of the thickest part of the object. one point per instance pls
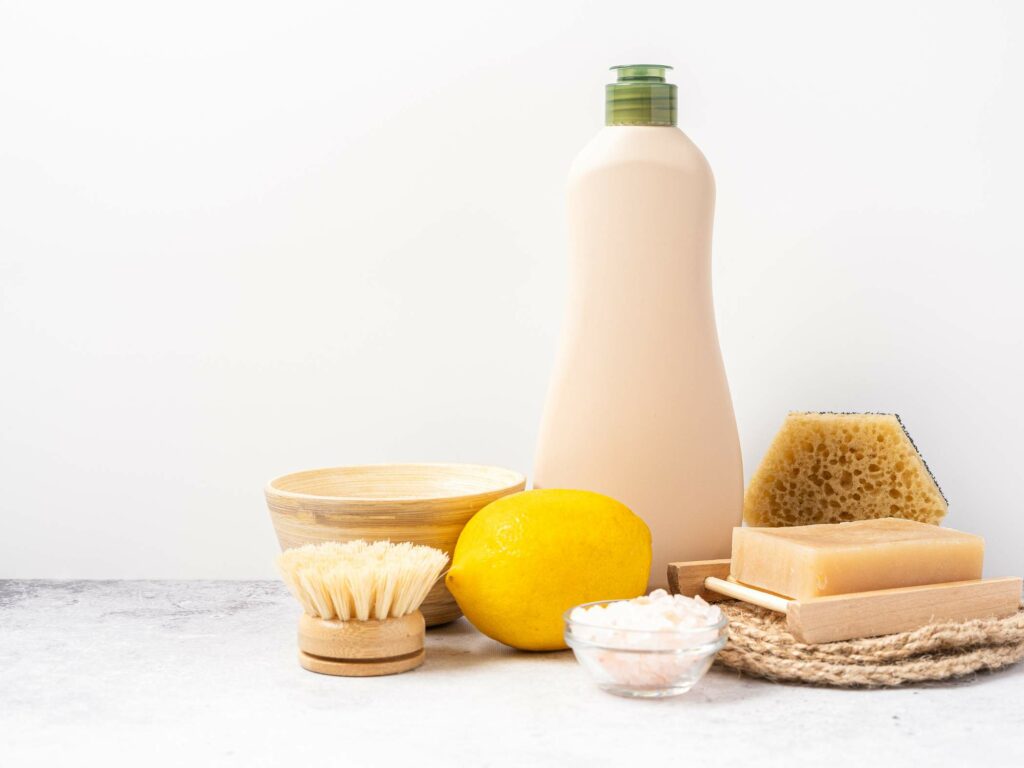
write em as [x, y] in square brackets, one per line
[204, 673]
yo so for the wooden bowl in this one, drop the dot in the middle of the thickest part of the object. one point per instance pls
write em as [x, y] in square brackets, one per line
[422, 503]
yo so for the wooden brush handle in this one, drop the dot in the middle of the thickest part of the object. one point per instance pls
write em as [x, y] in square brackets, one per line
[361, 648]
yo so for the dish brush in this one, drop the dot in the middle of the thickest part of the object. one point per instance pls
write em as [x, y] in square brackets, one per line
[360, 604]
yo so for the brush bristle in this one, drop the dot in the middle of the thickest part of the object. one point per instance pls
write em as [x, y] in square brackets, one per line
[358, 580]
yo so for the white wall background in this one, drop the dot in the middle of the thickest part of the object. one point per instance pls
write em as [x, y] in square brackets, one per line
[239, 239]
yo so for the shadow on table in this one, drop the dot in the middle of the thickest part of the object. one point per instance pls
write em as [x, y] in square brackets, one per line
[459, 645]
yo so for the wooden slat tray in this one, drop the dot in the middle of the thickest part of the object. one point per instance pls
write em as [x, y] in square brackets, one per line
[859, 614]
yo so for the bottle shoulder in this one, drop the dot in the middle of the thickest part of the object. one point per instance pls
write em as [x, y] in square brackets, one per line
[622, 145]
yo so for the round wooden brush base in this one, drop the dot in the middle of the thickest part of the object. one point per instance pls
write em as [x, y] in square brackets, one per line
[361, 648]
[363, 668]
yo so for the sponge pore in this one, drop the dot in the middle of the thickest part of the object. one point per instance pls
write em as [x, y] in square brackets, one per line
[837, 467]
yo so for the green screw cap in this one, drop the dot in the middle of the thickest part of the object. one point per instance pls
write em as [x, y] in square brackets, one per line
[640, 96]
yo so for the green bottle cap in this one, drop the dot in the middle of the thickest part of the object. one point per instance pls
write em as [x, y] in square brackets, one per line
[640, 97]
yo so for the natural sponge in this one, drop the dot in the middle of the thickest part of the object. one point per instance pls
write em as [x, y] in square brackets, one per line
[836, 467]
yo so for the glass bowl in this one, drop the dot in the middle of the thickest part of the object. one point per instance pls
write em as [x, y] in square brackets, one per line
[644, 663]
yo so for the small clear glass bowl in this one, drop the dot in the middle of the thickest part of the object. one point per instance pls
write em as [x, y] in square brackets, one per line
[644, 663]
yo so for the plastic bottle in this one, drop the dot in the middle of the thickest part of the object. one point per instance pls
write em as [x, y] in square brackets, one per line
[639, 406]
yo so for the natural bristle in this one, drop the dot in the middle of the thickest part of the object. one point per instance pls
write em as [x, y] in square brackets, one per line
[359, 580]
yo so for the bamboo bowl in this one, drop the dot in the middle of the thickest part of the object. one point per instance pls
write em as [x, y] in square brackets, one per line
[422, 503]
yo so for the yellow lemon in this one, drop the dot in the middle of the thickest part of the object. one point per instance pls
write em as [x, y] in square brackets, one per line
[525, 559]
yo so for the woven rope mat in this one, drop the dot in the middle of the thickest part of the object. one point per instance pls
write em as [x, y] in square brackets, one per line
[759, 645]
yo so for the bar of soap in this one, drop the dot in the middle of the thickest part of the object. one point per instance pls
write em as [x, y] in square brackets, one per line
[807, 561]
[837, 467]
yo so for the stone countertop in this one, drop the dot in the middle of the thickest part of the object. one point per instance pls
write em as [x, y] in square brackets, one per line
[204, 673]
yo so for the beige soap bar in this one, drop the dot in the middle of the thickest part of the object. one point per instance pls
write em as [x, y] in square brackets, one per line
[838, 558]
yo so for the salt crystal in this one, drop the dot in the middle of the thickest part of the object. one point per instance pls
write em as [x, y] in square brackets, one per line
[669, 625]
[656, 611]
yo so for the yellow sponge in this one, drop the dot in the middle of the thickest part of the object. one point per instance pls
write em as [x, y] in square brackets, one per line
[836, 467]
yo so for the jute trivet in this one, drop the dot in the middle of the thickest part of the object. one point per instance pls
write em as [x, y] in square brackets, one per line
[760, 645]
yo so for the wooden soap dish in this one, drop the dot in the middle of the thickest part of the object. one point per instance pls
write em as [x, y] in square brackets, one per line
[859, 614]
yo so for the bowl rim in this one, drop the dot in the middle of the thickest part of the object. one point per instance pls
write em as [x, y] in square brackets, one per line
[569, 623]
[517, 479]
[710, 648]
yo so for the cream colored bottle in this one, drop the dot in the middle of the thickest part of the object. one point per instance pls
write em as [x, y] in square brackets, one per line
[639, 406]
